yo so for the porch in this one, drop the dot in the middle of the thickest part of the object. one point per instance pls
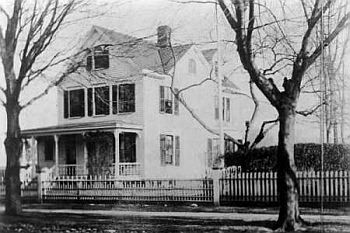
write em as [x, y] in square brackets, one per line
[90, 149]
[131, 170]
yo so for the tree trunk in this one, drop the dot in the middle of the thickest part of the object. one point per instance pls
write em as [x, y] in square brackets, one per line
[13, 146]
[287, 184]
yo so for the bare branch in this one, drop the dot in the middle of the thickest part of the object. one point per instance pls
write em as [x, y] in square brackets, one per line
[256, 102]
[340, 26]
[263, 132]
[71, 69]
[304, 9]
[2, 10]
[306, 113]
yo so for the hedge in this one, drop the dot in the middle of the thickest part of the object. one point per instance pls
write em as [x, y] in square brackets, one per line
[307, 157]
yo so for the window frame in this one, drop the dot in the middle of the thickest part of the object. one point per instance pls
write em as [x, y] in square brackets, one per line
[192, 66]
[99, 51]
[67, 108]
[226, 108]
[175, 150]
[94, 100]
[164, 97]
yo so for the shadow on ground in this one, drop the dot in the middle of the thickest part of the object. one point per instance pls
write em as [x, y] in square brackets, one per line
[69, 223]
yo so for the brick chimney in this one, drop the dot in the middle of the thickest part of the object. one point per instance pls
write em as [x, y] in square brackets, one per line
[164, 35]
[164, 45]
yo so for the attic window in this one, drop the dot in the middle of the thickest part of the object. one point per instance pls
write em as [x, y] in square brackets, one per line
[191, 66]
[98, 59]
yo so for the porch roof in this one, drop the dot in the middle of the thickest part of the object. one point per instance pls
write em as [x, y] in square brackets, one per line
[80, 128]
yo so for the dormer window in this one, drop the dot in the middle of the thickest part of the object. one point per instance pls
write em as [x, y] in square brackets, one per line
[192, 66]
[98, 58]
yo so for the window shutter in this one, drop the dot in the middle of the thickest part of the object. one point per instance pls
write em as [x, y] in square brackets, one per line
[89, 97]
[176, 103]
[210, 152]
[65, 103]
[106, 100]
[177, 151]
[161, 99]
[115, 99]
[162, 150]
[89, 63]
[228, 109]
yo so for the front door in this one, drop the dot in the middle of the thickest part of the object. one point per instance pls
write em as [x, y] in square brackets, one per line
[71, 156]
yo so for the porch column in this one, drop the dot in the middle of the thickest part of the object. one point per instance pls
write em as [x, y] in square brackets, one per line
[33, 151]
[56, 137]
[116, 154]
[85, 154]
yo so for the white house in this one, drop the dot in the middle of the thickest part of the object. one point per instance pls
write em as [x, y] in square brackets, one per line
[118, 115]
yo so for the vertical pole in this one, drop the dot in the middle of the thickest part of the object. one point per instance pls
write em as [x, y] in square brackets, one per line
[33, 155]
[219, 77]
[216, 186]
[322, 100]
[85, 155]
[40, 180]
[56, 137]
[116, 154]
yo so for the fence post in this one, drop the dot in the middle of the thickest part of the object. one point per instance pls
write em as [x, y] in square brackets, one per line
[40, 179]
[216, 186]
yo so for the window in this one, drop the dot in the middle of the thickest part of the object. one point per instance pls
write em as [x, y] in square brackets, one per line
[167, 102]
[49, 149]
[169, 150]
[98, 59]
[123, 98]
[101, 100]
[127, 142]
[192, 66]
[74, 104]
[126, 98]
[216, 107]
[226, 108]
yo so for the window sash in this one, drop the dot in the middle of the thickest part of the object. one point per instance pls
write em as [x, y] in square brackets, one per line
[166, 100]
[126, 100]
[98, 59]
[101, 95]
[74, 103]
[192, 66]
[169, 150]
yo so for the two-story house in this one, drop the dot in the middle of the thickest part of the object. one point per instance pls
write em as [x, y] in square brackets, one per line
[118, 114]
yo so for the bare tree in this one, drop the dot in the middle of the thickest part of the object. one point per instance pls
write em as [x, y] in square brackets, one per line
[36, 25]
[287, 56]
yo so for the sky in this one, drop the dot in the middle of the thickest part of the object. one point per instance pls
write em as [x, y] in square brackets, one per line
[190, 23]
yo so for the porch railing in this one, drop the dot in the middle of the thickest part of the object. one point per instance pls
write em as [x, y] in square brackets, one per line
[71, 170]
[129, 169]
[125, 170]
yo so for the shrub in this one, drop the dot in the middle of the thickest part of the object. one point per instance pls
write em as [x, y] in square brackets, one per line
[307, 157]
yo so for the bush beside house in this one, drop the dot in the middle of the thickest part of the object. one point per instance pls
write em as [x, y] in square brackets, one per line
[307, 157]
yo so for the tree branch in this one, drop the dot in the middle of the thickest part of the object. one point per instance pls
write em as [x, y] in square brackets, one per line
[72, 68]
[263, 132]
[306, 113]
[340, 26]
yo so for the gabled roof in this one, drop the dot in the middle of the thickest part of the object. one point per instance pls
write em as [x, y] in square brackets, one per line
[209, 54]
[138, 53]
[228, 83]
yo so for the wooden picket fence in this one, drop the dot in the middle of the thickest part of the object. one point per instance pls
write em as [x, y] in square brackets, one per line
[108, 189]
[29, 190]
[262, 187]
